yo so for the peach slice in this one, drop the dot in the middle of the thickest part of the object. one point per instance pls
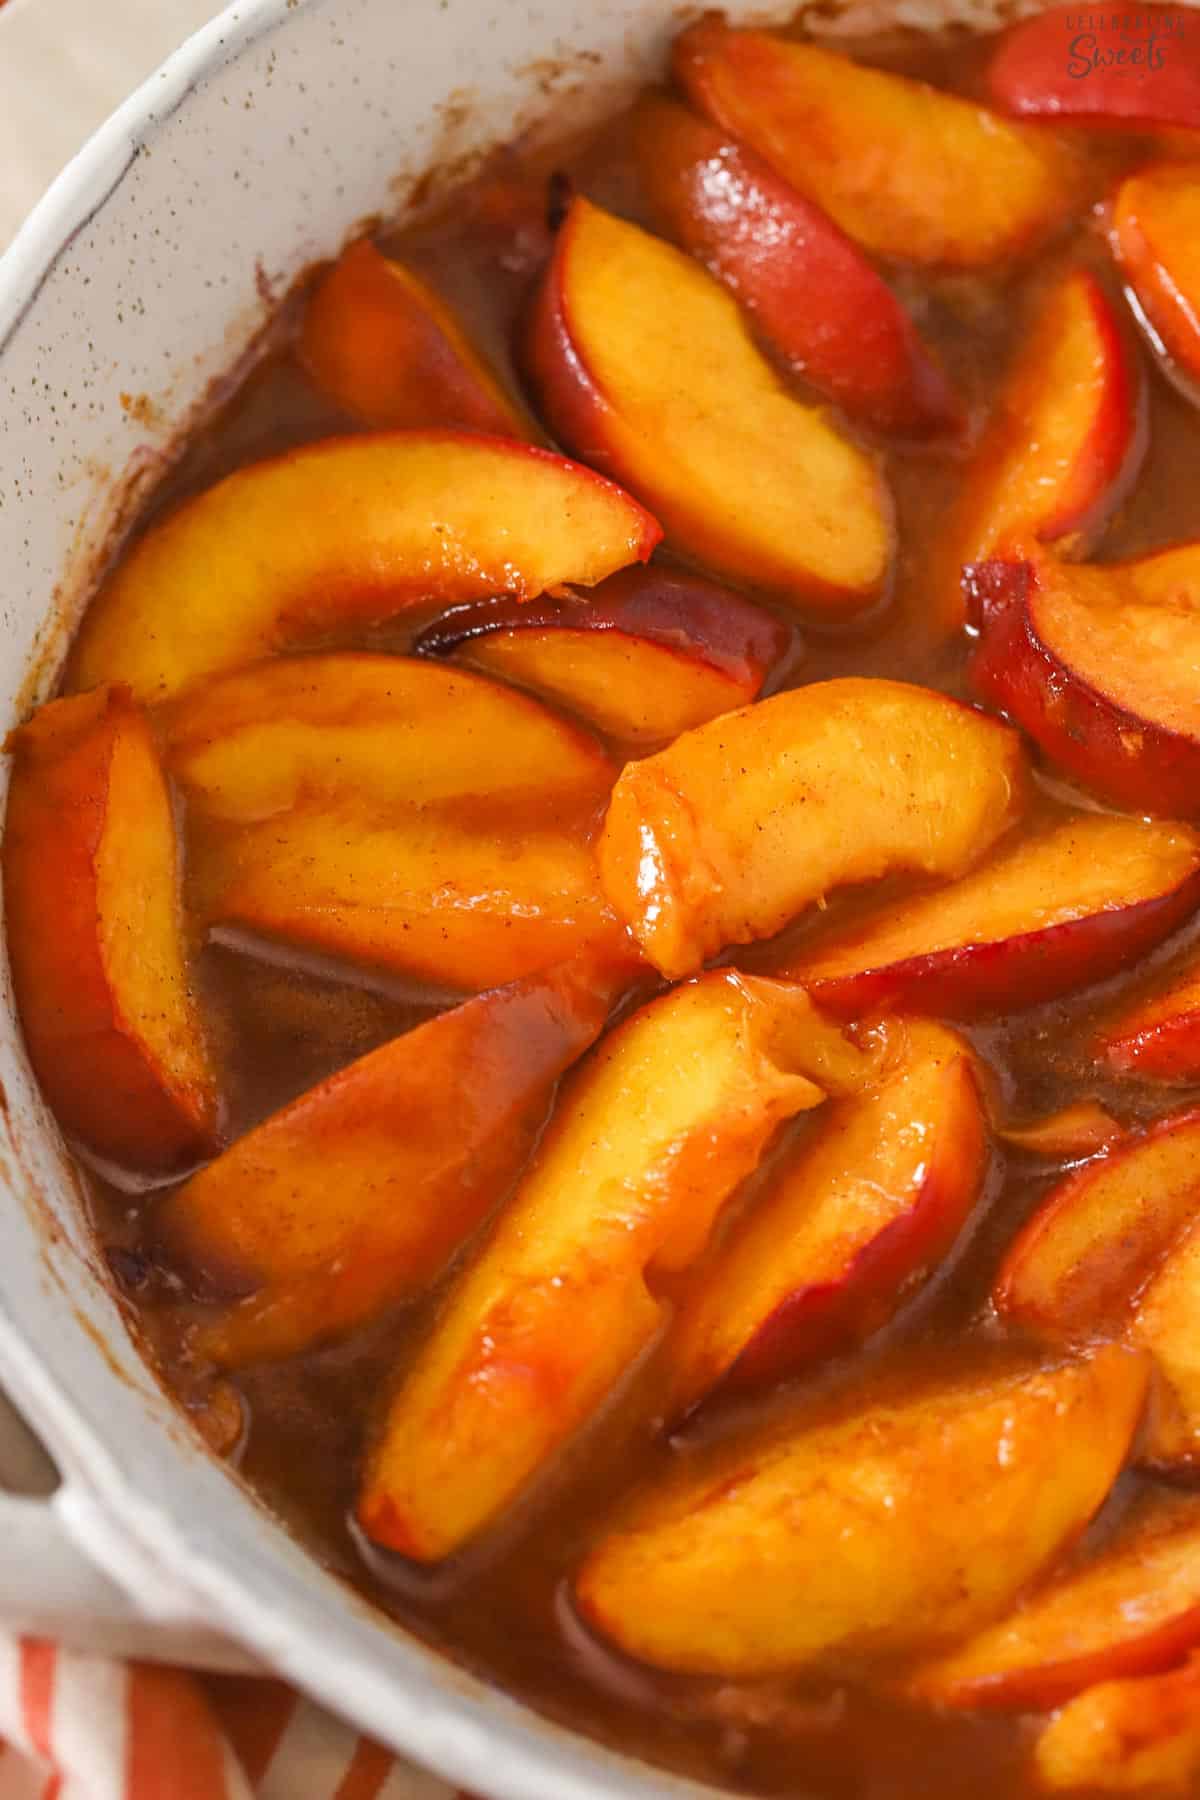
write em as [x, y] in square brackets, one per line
[359, 530]
[394, 812]
[1163, 1321]
[1103, 1231]
[385, 346]
[283, 735]
[1096, 664]
[883, 154]
[458, 909]
[1126, 1737]
[1158, 1037]
[1063, 446]
[646, 655]
[740, 825]
[1069, 67]
[847, 1230]
[95, 935]
[810, 290]
[783, 1548]
[1154, 231]
[1116, 1248]
[649, 1138]
[1076, 1131]
[1068, 905]
[645, 367]
[358, 1193]
[1130, 1609]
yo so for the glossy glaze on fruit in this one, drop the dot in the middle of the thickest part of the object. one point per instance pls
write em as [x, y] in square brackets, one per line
[783, 1496]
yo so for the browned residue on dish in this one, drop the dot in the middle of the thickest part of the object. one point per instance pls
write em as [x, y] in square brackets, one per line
[142, 408]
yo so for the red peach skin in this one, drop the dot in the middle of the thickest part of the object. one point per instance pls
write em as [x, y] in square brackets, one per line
[1126, 1737]
[358, 1193]
[95, 936]
[883, 154]
[644, 366]
[1067, 906]
[1068, 67]
[739, 826]
[811, 292]
[849, 1227]
[1095, 664]
[1163, 1322]
[1062, 448]
[650, 1136]
[1158, 1037]
[360, 529]
[1099, 1234]
[647, 654]
[383, 345]
[1116, 1248]
[1130, 1608]
[784, 1548]
[1154, 233]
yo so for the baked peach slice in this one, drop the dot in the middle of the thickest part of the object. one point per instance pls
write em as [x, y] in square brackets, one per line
[384, 346]
[1068, 905]
[1116, 1248]
[742, 824]
[650, 1137]
[1140, 1736]
[1163, 1321]
[1096, 664]
[282, 734]
[812, 293]
[881, 153]
[644, 366]
[845, 1535]
[1071, 1134]
[647, 654]
[1100, 1234]
[1062, 447]
[360, 529]
[393, 812]
[1153, 232]
[851, 1224]
[416, 896]
[1130, 1608]
[96, 938]
[1069, 68]
[357, 1194]
[1158, 1037]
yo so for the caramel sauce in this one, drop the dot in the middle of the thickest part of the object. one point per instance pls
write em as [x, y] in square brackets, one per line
[502, 1608]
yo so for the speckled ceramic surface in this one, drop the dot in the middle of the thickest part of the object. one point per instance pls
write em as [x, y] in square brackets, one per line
[145, 274]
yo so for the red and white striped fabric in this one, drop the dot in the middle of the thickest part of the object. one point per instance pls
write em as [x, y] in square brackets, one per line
[87, 1728]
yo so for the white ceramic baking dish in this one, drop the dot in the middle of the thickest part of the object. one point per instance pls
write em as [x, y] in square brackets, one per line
[143, 276]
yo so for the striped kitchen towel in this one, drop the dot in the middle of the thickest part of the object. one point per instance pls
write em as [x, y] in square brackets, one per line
[86, 1728]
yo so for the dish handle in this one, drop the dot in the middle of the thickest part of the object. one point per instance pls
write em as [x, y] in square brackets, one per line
[51, 1588]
